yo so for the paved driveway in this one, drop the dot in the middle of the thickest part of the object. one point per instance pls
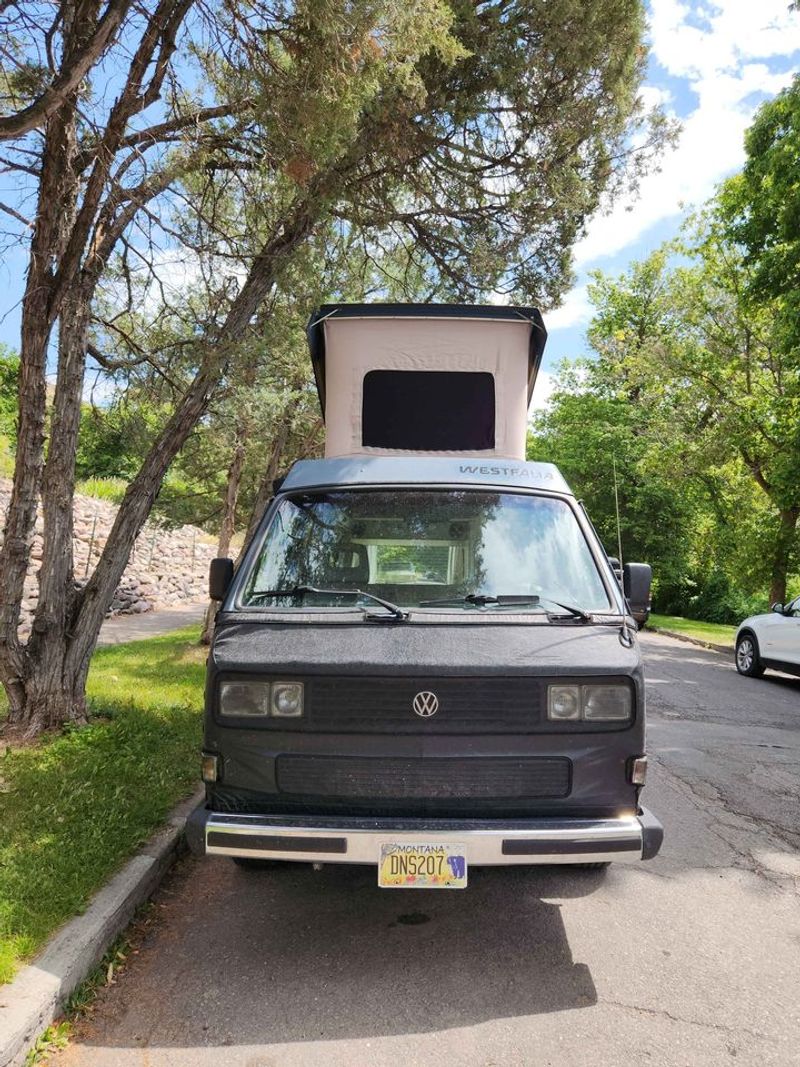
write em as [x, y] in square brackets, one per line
[123, 628]
[691, 959]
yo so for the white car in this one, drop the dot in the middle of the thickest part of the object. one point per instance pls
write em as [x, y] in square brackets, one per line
[771, 640]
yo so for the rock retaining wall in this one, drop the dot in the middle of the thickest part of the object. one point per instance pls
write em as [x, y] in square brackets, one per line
[167, 566]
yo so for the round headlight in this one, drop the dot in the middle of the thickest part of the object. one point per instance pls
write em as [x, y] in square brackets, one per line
[287, 699]
[564, 702]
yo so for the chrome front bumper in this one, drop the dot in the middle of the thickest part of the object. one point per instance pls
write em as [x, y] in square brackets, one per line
[623, 839]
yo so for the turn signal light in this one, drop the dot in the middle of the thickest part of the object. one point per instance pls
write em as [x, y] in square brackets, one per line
[639, 770]
[209, 767]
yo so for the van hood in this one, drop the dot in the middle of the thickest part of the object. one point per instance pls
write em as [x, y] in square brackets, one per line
[371, 648]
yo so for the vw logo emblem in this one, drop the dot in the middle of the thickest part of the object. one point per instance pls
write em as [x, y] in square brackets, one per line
[426, 704]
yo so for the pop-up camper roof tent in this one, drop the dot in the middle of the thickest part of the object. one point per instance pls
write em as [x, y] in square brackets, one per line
[433, 379]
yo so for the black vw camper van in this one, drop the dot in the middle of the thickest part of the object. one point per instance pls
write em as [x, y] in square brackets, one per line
[425, 661]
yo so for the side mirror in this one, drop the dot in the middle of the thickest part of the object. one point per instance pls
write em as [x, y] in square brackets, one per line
[777, 608]
[636, 581]
[220, 576]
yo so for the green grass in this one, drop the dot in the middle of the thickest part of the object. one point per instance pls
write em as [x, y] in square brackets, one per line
[112, 489]
[714, 632]
[73, 808]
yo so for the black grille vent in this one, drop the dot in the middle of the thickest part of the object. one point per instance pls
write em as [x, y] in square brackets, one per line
[385, 705]
[429, 778]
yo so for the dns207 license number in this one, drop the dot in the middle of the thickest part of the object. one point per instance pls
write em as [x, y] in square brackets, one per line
[422, 866]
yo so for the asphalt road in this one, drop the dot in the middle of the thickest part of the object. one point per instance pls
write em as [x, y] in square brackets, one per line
[690, 959]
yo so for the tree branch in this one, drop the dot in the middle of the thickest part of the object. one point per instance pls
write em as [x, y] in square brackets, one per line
[70, 76]
[16, 215]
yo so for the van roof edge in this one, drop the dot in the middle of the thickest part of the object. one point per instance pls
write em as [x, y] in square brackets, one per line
[422, 471]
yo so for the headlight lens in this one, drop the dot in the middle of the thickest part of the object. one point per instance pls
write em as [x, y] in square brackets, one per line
[564, 703]
[280, 700]
[287, 699]
[606, 703]
[590, 703]
[244, 698]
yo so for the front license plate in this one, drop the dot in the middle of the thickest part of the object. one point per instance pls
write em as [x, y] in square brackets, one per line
[422, 866]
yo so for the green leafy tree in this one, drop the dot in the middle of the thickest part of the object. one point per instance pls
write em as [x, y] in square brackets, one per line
[760, 211]
[693, 379]
[594, 433]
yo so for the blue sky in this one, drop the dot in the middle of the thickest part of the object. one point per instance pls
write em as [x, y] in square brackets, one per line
[711, 64]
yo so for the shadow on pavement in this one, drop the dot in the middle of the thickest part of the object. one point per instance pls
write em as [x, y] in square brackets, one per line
[292, 954]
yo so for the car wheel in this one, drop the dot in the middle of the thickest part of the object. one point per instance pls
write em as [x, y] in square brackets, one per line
[747, 661]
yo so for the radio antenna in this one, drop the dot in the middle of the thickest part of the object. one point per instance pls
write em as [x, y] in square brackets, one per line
[624, 635]
[616, 505]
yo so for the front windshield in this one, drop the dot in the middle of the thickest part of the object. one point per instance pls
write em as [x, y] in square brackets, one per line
[417, 546]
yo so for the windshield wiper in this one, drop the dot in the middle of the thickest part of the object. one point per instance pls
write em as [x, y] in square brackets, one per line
[576, 613]
[480, 599]
[511, 600]
[299, 590]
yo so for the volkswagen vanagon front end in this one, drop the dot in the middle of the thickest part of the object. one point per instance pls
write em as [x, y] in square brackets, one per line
[424, 661]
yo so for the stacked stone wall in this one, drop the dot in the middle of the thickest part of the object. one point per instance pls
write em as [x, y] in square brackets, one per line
[167, 566]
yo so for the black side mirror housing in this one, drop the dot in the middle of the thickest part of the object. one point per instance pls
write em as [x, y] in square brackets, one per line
[777, 608]
[636, 581]
[220, 576]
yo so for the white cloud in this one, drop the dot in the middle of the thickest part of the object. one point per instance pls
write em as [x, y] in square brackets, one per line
[654, 96]
[717, 49]
[542, 391]
[574, 310]
[692, 42]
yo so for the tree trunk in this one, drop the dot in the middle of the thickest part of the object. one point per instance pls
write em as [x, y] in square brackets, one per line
[228, 523]
[783, 552]
[265, 490]
[54, 694]
[54, 211]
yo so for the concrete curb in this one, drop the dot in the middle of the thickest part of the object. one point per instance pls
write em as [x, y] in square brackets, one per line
[30, 1003]
[691, 640]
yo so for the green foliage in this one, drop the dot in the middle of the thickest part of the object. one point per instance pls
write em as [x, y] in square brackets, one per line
[760, 208]
[9, 375]
[711, 596]
[589, 428]
[476, 139]
[74, 807]
[111, 440]
[693, 392]
[111, 489]
[53, 1039]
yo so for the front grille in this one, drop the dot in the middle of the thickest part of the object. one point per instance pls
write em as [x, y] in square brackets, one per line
[385, 705]
[428, 778]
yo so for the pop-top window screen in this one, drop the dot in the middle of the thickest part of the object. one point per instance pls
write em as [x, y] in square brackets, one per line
[428, 411]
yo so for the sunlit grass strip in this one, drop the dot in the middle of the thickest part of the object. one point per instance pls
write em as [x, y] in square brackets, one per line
[74, 807]
[713, 632]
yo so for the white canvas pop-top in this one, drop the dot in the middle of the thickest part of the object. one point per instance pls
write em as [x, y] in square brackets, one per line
[427, 379]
